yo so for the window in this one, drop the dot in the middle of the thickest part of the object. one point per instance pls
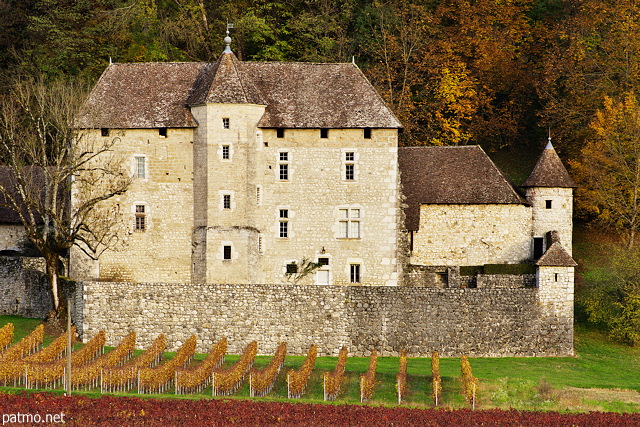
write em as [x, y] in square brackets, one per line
[259, 196]
[225, 123]
[538, 247]
[260, 244]
[547, 204]
[226, 201]
[324, 133]
[323, 261]
[367, 133]
[141, 223]
[283, 166]
[292, 268]
[162, 132]
[104, 132]
[225, 152]
[280, 132]
[349, 223]
[349, 166]
[283, 230]
[140, 167]
[355, 273]
[226, 252]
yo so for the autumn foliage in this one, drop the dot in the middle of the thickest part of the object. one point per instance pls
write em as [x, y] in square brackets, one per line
[261, 381]
[368, 379]
[436, 381]
[332, 380]
[195, 379]
[159, 378]
[227, 381]
[401, 377]
[297, 380]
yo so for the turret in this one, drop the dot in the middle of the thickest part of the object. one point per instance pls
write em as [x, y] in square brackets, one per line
[549, 189]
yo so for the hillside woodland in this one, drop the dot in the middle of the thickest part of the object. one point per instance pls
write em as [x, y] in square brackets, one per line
[502, 74]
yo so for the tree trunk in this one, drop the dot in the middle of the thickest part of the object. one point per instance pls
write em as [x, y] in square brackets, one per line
[52, 278]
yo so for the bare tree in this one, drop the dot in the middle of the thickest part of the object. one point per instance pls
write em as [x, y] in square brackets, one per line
[55, 176]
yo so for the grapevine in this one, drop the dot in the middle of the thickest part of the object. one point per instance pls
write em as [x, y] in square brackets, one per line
[368, 380]
[401, 378]
[333, 379]
[194, 380]
[297, 380]
[159, 378]
[261, 381]
[227, 381]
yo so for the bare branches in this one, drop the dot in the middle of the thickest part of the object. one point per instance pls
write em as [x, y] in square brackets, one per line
[54, 176]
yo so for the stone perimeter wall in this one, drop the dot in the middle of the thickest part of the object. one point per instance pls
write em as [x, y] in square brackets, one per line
[477, 322]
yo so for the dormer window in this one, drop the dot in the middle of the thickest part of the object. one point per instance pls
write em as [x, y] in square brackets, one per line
[225, 123]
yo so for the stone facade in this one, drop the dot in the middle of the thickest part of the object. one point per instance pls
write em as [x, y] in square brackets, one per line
[473, 235]
[13, 237]
[454, 321]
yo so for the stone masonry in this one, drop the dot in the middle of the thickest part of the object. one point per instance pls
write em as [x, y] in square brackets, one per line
[477, 322]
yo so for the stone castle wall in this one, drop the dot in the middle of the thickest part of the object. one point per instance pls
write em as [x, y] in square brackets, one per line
[472, 235]
[477, 322]
[552, 210]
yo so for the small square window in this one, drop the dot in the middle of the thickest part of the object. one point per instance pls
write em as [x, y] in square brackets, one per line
[292, 268]
[284, 213]
[324, 133]
[226, 252]
[284, 156]
[349, 156]
[225, 152]
[355, 273]
[225, 123]
[548, 203]
[323, 261]
[280, 132]
[162, 132]
[104, 132]
[367, 133]
[226, 201]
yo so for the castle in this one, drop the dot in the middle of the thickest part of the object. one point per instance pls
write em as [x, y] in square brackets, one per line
[244, 171]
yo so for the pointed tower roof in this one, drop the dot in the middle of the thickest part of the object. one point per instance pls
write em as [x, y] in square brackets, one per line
[556, 256]
[225, 82]
[549, 171]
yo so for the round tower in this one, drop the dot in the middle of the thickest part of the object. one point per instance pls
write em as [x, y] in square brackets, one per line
[549, 189]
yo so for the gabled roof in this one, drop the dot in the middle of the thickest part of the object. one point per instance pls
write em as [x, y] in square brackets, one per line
[549, 171]
[142, 95]
[296, 95]
[556, 256]
[450, 175]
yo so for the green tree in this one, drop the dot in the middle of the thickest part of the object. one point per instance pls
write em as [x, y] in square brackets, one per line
[611, 297]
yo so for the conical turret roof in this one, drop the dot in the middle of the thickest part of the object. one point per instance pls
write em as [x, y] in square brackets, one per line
[556, 256]
[549, 171]
[225, 82]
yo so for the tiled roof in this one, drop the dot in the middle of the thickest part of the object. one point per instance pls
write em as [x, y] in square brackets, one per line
[311, 95]
[549, 171]
[296, 95]
[556, 256]
[450, 175]
[142, 95]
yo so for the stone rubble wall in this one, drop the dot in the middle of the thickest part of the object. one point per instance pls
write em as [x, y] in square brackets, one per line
[478, 322]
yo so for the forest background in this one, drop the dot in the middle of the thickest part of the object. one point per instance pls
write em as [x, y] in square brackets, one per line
[499, 73]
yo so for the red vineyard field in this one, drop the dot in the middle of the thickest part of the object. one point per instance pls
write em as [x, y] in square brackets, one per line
[130, 411]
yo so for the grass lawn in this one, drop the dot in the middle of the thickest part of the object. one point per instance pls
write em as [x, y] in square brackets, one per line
[603, 376]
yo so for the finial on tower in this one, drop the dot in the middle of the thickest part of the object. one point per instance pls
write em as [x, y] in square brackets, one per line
[549, 145]
[227, 39]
